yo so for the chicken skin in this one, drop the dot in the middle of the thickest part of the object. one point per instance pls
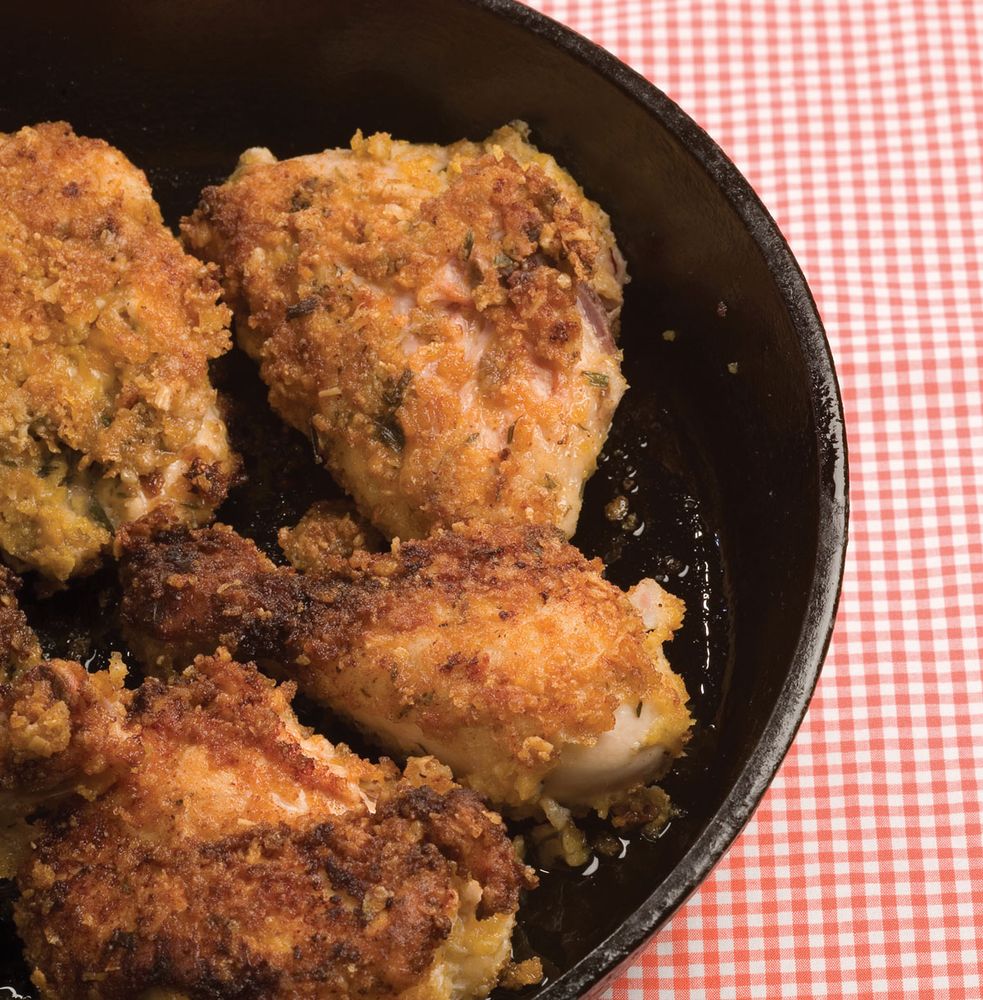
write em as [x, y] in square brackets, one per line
[440, 320]
[106, 408]
[498, 649]
[220, 850]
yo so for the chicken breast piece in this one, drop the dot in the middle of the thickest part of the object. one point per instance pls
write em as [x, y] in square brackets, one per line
[440, 320]
[232, 853]
[105, 403]
[498, 649]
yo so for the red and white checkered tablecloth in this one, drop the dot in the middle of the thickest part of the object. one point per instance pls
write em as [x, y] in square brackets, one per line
[859, 122]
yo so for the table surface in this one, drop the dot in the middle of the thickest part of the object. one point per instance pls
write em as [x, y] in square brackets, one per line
[859, 124]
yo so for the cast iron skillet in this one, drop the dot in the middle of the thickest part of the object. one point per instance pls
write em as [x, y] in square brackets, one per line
[730, 445]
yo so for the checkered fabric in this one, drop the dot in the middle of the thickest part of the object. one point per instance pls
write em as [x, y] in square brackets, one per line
[859, 123]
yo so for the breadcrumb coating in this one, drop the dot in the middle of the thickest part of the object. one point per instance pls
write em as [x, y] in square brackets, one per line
[499, 649]
[440, 320]
[106, 329]
[19, 646]
[238, 855]
[327, 536]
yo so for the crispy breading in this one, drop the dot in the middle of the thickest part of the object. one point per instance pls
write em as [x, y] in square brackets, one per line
[499, 649]
[326, 536]
[19, 646]
[61, 736]
[62, 732]
[441, 320]
[238, 855]
[107, 328]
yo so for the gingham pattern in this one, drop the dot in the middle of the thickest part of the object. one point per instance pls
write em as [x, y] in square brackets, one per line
[859, 123]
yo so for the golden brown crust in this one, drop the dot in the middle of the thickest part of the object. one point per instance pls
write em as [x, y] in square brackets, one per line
[105, 402]
[518, 975]
[237, 858]
[502, 645]
[19, 646]
[439, 319]
[327, 536]
[61, 732]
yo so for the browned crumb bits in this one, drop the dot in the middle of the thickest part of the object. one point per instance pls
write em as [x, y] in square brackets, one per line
[607, 844]
[616, 509]
[516, 975]
[648, 808]
[331, 531]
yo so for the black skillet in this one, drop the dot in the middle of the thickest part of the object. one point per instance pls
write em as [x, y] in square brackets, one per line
[729, 447]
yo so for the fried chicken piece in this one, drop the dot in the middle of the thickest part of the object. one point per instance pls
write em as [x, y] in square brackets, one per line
[19, 646]
[326, 536]
[106, 408]
[236, 854]
[440, 320]
[499, 649]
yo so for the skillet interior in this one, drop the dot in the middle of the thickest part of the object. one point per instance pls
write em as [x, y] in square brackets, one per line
[740, 476]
